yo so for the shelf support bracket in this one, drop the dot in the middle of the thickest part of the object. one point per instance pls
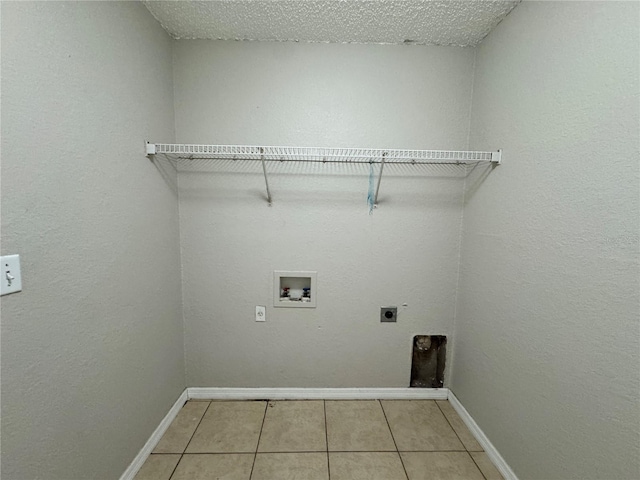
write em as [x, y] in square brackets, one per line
[375, 199]
[266, 179]
[151, 148]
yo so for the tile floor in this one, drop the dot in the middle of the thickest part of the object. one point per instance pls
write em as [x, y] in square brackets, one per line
[318, 439]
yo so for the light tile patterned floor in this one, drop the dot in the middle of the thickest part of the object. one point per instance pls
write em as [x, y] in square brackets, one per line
[318, 440]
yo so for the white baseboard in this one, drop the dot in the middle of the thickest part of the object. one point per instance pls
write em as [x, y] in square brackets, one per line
[155, 437]
[214, 393]
[488, 447]
[317, 393]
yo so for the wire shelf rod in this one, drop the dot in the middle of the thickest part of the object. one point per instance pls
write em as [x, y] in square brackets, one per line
[323, 154]
[366, 162]
[380, 156]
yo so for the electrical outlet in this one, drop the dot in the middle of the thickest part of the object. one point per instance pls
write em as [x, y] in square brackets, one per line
[261, 313]
[388, 314]
[11, 280]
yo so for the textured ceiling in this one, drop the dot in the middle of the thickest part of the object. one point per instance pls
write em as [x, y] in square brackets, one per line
[462, 22]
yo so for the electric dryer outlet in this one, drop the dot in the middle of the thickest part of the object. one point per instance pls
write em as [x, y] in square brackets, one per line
[388, 314]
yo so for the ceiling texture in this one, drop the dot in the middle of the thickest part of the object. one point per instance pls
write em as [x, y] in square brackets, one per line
[426, 22]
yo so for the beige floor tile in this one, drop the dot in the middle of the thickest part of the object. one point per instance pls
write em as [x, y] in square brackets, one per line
[487, 467]
[357, 426]
[467, 438]
[158, 467]
[229, 427]
[366, 466]
[440, 466]
[419, 425]
[230, 466]
[294, 426]
[291, 466]
[177, 436]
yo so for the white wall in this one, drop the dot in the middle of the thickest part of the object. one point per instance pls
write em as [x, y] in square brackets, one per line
[407, 252]
[547, 325]
[92, 350]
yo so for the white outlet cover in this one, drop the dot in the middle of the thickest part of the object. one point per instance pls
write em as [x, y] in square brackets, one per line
[261, 313]
[11, 279]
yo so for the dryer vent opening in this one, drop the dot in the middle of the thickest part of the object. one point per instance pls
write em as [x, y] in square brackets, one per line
[427, 362]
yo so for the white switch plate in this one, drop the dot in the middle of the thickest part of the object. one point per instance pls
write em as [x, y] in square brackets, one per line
[261, 313]
[11, 280]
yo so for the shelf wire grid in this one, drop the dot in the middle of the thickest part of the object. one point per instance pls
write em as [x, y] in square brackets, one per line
[324, 155]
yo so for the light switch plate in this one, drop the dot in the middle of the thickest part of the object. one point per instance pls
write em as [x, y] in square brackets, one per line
[11, 279]
[261, 313]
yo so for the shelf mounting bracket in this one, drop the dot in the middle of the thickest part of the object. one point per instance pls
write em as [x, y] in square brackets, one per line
[151, 148]
[375, 199]
[496, 157]
[266, 179]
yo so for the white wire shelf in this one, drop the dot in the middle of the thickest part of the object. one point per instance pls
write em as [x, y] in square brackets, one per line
[324, 155]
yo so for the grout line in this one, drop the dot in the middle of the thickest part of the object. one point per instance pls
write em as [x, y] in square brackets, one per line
[223, 453]
[394, 439]
[363, 451]
[326, 436]
[433, 451]
[288, 452]
[196, 429]
[477, 466]
[255, 455]
[451, 426]
[176, 467]
[465, 447]
[190, 438]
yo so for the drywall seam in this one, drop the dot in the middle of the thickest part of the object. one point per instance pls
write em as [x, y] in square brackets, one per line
[483, 440]
[461, 229]
[215, 393]
[184, 324]
[473, 83]
[175, 129]
[455, 299]
[155, 437]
